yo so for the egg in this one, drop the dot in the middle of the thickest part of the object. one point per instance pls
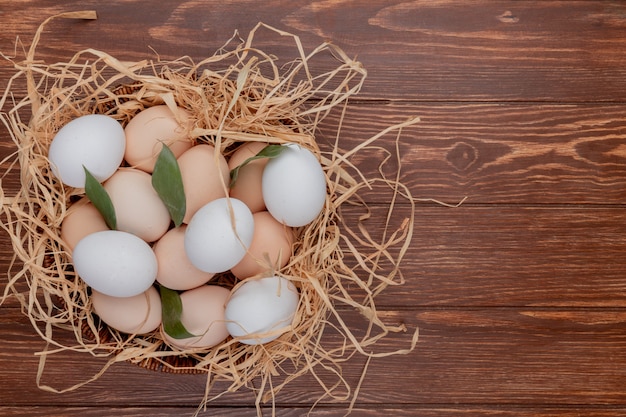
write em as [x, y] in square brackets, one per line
[149, 129]
[212, 243]
[94, 141]
[202, 316]
[294, 186]
[260, 310]
[138, 314]
[115, 263]
[205, 177]
[247, 187]
[82, 219]
[271, 242]
[175, 270]
[138, 208]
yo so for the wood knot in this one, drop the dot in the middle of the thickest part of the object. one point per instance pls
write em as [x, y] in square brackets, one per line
[462, 156]
[508, 17]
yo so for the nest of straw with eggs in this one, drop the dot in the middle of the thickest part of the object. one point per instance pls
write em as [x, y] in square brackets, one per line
[238, 95]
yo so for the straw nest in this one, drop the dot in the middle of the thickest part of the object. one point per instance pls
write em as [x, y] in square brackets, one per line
[239, 94]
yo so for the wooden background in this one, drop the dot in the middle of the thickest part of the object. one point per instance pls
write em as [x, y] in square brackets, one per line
[519, 294]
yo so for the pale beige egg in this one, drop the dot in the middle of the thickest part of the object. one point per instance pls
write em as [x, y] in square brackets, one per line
[202, 316]
[176, 271]
[138, 208]
[149, 129]
[270, 248]
[205, 177]
[139, 314]
[247, 187]
[82, 219]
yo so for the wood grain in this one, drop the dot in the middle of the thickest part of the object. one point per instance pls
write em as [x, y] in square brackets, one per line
[467, 356]
[442, 50]
[488, 153]
[519, 294]
[501, 256]
[464, 410]
[498, 154]
[482, 256]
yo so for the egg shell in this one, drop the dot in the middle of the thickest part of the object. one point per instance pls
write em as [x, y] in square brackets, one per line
[211, 242]
[248, 185]
[139, 314]
[115, 263]
[200, 170]
[260, 310]
[294, 186]
[176, 271]
[272, 240]
[94, 141]
[203, 316]
[138, 208]
[149, 129]
[82, 219]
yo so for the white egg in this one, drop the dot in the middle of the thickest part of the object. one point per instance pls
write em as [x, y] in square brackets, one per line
[260, 310]
[115, 263]
[212, 243]
[294, 186]
[94, 141]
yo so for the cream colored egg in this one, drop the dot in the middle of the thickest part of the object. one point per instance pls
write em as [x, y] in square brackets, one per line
[202, 316]
[138, 207]
[82, 219]
[247, 187]
[139, 314]
[176, 271]
[270, 248]
[205, 177]
[149, 129]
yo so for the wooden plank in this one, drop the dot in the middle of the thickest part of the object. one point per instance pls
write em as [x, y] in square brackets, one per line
[484, 256]
[491, 256]
[502, 50]
[499, 256]
[407, 411]
[481, 357]
[489, 153]
[495, 153]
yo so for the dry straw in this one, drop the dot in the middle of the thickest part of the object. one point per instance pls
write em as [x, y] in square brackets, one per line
[239, 94]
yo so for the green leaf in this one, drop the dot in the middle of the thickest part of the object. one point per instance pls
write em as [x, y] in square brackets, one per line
[171, 309]
[270, 151]
[168, 183]
[100, 199]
